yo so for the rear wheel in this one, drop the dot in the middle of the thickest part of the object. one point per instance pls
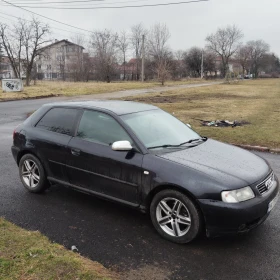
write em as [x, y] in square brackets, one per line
[32, 174]
[175, 216]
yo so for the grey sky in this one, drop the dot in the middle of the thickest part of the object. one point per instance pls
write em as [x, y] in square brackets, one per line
[188, 24]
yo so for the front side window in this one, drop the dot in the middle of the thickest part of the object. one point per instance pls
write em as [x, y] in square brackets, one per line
[158, 128]
[101, 128]
[60, 120]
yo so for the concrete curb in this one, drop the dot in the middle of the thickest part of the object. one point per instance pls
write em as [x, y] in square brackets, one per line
[30, 98]
[259, 149]
[275, 151]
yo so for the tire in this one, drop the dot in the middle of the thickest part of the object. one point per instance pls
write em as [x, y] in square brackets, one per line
[32, 174]
[175, 216]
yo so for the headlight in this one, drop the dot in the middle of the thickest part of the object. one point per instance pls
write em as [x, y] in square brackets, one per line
[238, 195]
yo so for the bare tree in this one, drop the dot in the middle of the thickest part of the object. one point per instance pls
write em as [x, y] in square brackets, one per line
[258, 49]
[179, 65]
[123, 45]
[193, 59]
[159, 51]
[225, 43]
[209, 62]
[1, 51]
[163, 69]
[243, 56]
[105, 47]
[76, 62]
[158, 38]
[88, 67]
[12, 41]
[22, 43]
[271, 64]
[1, 55]
[137, 31]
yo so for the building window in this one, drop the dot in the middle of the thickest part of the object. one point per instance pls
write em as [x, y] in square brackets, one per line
[49, 67]
[39, 67]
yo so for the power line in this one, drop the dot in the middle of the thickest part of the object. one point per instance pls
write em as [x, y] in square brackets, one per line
[69, 2]
[42, 1]
[31, 21]
[55, 2]
[46, 17]
[19, 7]
[52, 27]
[103, 7]
[7, 18]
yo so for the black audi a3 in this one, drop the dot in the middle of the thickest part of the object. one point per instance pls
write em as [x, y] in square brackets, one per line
[141, 156]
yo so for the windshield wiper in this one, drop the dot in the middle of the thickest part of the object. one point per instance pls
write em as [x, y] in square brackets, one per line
[177, 146]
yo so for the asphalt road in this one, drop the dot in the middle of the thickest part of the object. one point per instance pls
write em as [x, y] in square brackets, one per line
[124, 239]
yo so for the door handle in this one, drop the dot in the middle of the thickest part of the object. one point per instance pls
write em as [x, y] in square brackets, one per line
[75, 152]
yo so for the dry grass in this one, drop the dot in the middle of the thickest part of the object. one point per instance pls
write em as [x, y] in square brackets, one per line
[55, 88]
[29, 255]
[257, 102]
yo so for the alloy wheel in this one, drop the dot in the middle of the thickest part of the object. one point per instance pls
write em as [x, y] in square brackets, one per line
[173, 217]
[30, 173]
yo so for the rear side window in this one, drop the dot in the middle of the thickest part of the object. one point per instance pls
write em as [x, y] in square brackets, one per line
[101, 128]
[59, 120]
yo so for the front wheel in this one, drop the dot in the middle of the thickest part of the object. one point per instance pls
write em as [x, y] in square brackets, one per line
[175, 216]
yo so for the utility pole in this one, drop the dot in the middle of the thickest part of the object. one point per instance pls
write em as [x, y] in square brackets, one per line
[202, 68]
[143, 58]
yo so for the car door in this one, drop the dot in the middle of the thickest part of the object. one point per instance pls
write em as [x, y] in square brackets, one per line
[50, 138]
[92, 164]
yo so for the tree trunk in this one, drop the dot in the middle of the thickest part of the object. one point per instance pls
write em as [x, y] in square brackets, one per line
[27, 82]
[124, 67]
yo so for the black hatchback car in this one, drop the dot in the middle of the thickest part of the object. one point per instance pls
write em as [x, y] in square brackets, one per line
[141, 156]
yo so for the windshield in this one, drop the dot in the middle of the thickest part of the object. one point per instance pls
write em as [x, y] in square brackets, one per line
[157, 128]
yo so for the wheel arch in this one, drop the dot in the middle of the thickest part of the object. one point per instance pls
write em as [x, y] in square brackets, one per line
[163, 187]
[25, 152]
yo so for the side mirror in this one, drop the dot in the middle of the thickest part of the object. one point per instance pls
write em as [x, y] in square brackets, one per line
[122, 146]
[187, 124]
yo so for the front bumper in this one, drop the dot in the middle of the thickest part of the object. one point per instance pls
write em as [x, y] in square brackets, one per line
[225, 218]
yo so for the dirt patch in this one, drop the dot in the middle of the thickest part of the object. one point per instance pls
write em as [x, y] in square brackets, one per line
[189, 98]
[148, 272]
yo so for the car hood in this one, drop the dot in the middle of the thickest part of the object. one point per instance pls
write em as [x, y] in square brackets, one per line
[222, 162]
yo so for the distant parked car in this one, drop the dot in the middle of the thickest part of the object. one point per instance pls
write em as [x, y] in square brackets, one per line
[250, 76]
[141, 156]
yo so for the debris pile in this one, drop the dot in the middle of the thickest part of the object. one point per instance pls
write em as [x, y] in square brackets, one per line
[223, 123]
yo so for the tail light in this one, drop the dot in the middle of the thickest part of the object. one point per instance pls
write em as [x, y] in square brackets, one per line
[15, 131]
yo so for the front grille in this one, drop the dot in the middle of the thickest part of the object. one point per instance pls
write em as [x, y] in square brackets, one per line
[266, 184]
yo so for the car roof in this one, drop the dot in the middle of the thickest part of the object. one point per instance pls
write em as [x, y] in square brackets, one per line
[115, 106]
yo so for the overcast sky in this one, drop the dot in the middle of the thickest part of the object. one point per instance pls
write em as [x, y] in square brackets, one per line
[189, 24]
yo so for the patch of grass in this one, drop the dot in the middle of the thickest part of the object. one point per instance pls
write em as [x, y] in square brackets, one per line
[56, 88]
[257, 102]
[30, 255]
